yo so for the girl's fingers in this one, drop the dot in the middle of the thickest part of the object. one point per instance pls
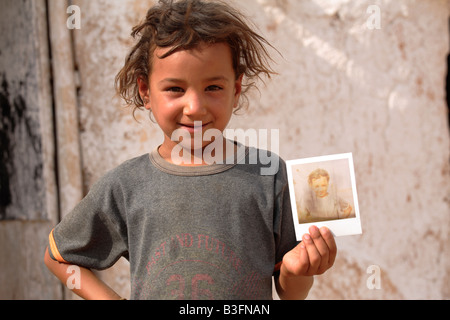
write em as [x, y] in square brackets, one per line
[313, 255]
[331, 244]
[322, 249]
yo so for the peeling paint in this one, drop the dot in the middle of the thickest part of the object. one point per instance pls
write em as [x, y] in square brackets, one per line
[20, 167]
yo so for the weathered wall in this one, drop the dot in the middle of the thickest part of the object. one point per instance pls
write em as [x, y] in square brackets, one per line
[341, 88]
[23, 96]
[28, 193]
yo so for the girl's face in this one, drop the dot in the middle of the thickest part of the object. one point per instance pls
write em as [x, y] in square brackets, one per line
[190, 86]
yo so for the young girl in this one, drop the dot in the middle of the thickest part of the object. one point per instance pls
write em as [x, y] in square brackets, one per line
[196, 230]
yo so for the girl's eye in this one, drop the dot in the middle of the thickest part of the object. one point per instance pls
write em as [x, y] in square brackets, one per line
[213, 88]
[175, 90]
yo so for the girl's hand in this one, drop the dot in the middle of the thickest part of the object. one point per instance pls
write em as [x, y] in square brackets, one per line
[313, 256]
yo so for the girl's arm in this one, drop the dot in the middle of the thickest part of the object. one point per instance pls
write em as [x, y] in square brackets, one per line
[90, 286]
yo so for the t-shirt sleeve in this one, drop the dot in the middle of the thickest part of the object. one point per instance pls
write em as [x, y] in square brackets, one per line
[284, 231]
[94, 234]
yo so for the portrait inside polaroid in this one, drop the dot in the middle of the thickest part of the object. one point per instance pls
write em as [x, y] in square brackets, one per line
[323, 193]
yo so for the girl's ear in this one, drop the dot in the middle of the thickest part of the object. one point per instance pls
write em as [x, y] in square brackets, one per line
[144, 92]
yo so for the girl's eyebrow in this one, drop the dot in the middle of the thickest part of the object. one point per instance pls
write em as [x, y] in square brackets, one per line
[218, 78]
[175, 80]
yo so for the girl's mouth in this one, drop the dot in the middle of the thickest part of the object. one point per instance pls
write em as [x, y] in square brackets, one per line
[197, 126]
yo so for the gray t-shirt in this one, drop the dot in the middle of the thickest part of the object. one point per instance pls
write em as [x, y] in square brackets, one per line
[207, 232]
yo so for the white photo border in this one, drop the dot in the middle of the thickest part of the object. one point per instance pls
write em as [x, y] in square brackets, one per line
[340, 227]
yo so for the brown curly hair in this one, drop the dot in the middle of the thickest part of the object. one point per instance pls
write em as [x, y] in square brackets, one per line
[184, 25]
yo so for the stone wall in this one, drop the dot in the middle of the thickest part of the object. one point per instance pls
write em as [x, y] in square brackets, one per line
[342, 87]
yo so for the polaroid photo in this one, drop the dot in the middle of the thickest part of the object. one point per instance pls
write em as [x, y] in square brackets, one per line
[323, 193]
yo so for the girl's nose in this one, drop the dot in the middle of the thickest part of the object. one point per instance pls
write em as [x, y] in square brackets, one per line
[194, 105]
